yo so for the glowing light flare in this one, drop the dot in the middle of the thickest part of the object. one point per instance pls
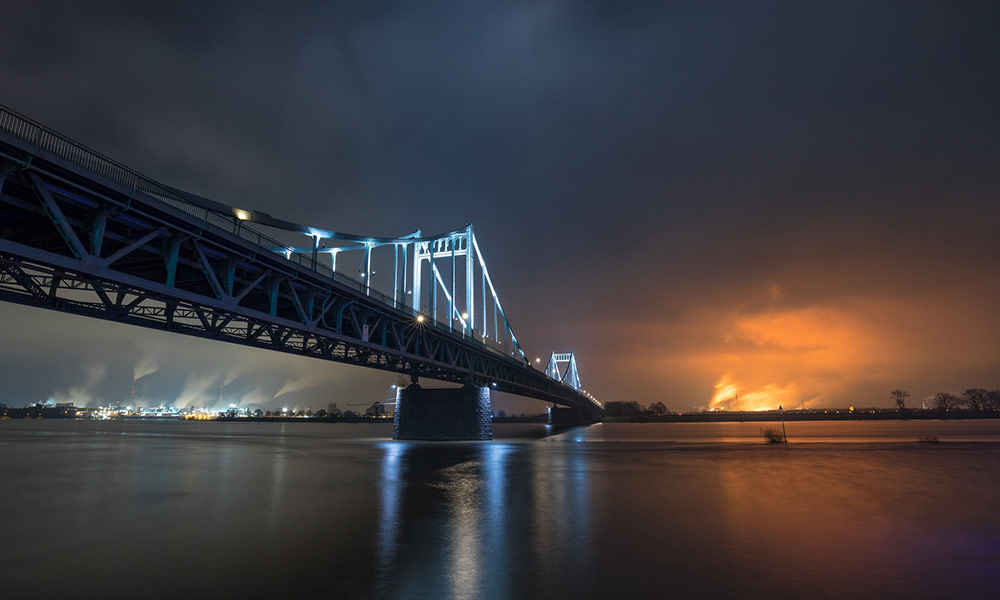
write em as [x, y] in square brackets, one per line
[319, 234]
[766, 397]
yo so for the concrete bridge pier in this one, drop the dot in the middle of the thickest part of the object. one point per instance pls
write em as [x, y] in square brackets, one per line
[569, 416]
[442, 414]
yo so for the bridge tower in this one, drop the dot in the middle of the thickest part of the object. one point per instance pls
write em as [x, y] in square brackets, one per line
[571, 376]
[567, 416]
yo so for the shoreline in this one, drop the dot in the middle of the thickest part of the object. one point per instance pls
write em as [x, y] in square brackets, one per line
[809, 415]
[696, 417]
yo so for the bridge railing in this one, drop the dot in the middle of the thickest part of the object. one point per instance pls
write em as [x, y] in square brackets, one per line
[45, 139]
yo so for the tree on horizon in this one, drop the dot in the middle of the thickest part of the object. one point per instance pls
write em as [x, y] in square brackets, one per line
[945, 401]
[899, 397]
[375, 410]
[993, 401]
[976, 399]
[658, 409]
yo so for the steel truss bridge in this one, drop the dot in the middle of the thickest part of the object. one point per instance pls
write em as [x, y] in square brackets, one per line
[83, 234]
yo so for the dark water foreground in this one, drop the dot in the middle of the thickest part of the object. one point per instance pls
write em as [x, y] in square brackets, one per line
[219, 510]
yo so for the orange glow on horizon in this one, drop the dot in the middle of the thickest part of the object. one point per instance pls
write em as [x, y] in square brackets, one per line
[768, 397]
[771, 348]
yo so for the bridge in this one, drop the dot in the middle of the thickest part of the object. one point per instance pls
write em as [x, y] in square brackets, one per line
[81, 233]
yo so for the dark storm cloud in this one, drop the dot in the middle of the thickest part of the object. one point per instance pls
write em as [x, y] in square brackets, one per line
[653, 183]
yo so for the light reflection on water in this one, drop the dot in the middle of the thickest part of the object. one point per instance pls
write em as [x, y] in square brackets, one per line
[801, 432]
[464, 537]
[388, 523]
[614, 510]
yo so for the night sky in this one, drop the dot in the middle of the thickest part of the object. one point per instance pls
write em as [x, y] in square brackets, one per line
[795, 201]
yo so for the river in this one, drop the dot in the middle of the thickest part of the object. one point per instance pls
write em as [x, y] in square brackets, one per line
[169, 509]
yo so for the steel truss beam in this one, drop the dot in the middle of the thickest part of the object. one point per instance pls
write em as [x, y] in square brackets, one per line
[406, 348]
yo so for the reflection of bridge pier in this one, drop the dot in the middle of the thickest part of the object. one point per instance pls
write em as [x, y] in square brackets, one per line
[442, 413]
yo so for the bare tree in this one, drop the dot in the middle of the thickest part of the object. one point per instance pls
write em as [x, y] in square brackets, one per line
[899, 397]
[945, 401]
[975, 399]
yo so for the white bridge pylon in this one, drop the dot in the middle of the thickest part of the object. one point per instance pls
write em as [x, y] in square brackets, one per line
[570, 376]
[442, 278]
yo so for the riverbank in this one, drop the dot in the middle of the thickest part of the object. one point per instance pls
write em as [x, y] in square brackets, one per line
[807, 415]
[36, 412]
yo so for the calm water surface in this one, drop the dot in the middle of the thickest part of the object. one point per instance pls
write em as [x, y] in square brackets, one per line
[217, 510]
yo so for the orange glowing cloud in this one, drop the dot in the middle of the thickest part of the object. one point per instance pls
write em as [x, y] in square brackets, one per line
[790, 357]
[768, 397]
[767, 352]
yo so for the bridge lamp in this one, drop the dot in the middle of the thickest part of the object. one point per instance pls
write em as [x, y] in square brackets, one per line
[241, 214]
[538, 360]
[420, 318]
